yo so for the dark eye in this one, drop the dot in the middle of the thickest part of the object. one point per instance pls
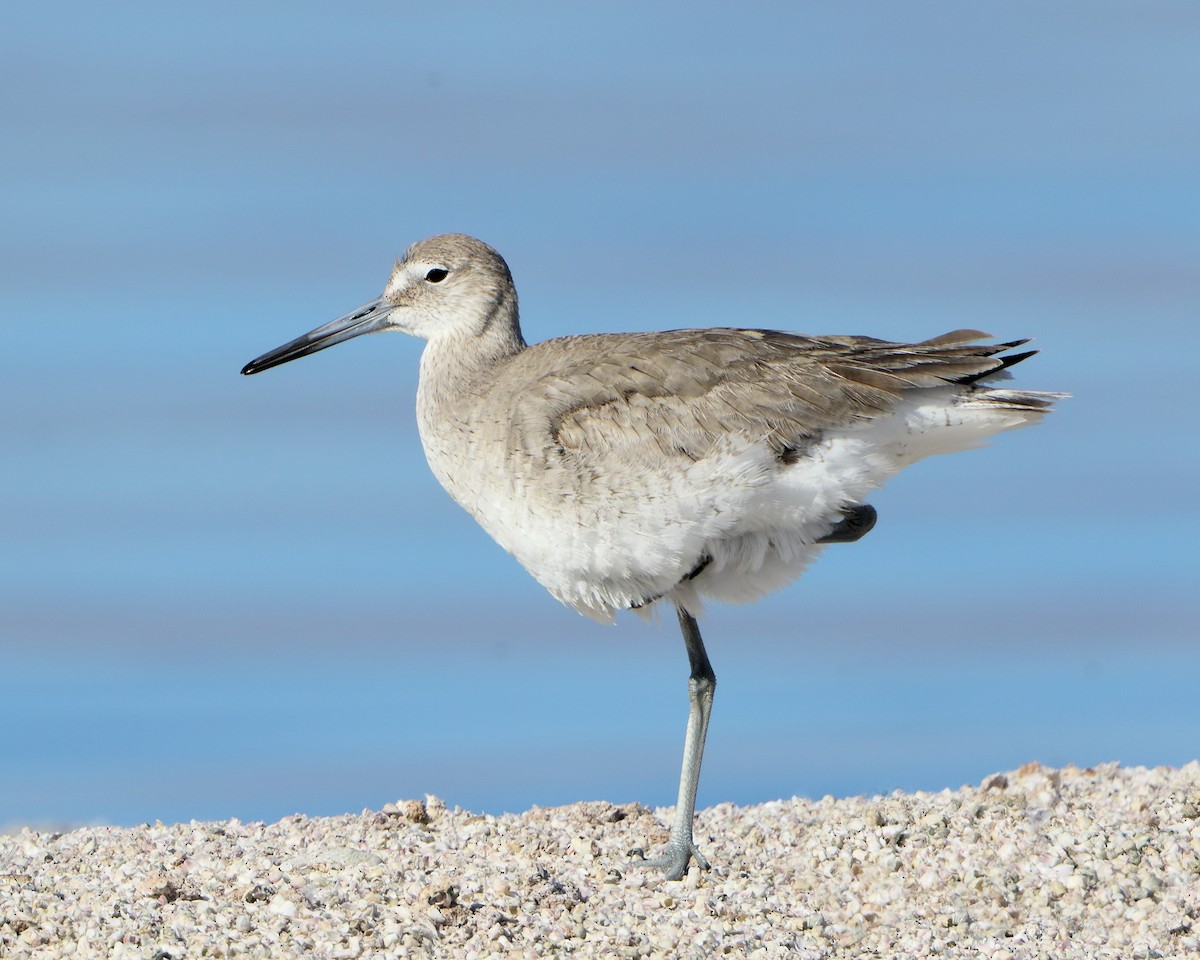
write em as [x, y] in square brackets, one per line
[437, 275]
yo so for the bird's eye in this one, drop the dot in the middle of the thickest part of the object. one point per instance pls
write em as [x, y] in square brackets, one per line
[437, 275]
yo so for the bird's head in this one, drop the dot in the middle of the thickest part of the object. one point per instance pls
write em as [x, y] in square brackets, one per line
[450, 287]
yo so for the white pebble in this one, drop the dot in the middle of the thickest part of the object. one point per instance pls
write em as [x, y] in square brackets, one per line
[281, 906]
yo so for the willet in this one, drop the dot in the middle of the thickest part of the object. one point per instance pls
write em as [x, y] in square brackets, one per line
[626, 469]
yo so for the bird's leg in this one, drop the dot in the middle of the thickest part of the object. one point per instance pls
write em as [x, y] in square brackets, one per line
[701, 684]
[855, 524]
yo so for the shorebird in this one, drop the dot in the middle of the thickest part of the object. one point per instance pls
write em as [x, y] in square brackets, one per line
[625, 470]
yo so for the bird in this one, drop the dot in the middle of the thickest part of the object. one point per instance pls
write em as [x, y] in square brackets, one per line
[627, 470]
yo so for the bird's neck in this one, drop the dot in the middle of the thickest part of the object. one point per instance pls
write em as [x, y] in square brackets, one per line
[460, 367]
[456, 398]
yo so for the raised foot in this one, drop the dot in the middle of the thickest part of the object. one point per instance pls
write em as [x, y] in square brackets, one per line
[674, 862]
[855, 524]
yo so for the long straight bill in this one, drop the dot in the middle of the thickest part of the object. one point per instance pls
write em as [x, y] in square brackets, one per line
[368, 318]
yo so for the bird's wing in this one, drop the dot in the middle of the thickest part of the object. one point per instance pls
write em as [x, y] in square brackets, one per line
[680, 393]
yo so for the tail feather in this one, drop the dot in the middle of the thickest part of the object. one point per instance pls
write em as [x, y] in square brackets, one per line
[1028, 401]
[1007, 361]
[955, 337]
[952, 358]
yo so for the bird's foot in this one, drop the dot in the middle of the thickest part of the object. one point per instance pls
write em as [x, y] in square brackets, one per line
[674, 863]
[855, 524]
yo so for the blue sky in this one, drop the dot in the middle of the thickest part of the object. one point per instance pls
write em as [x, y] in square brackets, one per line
[223, 596]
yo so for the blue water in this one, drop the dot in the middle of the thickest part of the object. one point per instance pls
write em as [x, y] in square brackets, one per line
[223, 596]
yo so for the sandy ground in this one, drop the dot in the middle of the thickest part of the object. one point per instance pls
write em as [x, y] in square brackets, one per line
[1100, 863]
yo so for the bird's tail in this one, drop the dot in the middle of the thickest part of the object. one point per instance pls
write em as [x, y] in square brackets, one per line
[1030, 403]
[1004, 408]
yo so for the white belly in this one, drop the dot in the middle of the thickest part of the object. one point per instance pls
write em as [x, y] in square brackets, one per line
[618, 535]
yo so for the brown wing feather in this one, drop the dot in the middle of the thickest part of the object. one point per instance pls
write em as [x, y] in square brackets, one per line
[681, 391]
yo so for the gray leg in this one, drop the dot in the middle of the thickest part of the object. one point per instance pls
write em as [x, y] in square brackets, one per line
[701, 685]
[855, 524]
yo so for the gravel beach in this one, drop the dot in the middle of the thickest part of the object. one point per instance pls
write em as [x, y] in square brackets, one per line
[1098, 863]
